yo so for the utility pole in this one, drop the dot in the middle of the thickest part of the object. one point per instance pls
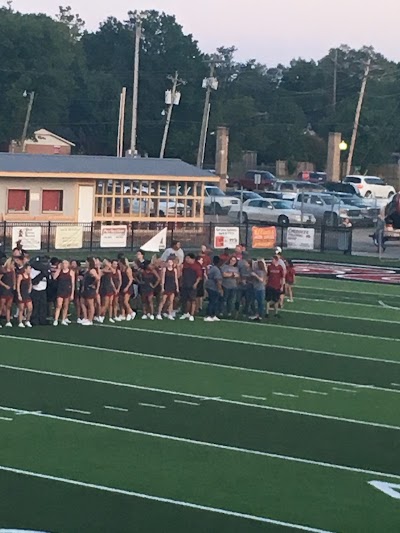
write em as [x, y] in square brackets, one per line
[121, 123]
[138, 35]
[210, 84]
[171, 98]
[27, 118]
[357, 117]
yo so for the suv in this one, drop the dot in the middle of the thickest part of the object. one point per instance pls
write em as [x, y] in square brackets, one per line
[327, 208]
[254, 180]
[312, 177]
[369, 186]
[339, 187]
[216, 201]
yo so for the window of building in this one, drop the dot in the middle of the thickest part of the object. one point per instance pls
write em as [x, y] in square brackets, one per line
[147, 199]
[18, 200]
[52, 201]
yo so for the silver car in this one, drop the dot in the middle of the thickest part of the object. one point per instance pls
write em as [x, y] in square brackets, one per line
[327, 208]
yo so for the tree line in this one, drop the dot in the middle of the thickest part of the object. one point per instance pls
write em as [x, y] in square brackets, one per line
[282, 111]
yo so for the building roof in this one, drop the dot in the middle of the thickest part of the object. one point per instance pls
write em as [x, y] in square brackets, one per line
[46, 133]
[101, 165]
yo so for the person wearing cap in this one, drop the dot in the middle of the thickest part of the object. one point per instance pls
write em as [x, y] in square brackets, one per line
[275, 284]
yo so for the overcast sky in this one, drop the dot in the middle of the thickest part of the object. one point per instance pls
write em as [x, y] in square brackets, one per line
[269, 31]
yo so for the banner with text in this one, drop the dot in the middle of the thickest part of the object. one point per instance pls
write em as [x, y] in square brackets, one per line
[69, 237]
[226, 237]
[29, 236]
[300, 238]
[114, 236]
[263, 237]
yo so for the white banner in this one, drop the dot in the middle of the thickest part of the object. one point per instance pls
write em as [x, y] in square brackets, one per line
[30, 237]
[156, 243]
[114, 236]
[227, 237]
[69, 237]
[300, 238]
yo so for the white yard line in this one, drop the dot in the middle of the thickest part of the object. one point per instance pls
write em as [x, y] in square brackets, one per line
[212, 445]
[316, 392]
[253, 397]
[188, 335]
[310, 288]
[347, 317]
[312, 330]
[6, 419]
[155, 406]
[180, 503]
[382, 304]
[344, 390]
[194, 362]
[284, 394]
[112, 408]
[395, 384]
[185, 402]
[78, 411]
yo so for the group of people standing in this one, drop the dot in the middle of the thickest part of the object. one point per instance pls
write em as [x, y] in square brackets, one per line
[113, 289]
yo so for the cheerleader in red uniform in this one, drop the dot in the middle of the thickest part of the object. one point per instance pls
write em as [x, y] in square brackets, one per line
[107, 291]
[65, 277]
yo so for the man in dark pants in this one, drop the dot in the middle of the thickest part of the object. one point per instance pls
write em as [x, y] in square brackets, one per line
[39, 275]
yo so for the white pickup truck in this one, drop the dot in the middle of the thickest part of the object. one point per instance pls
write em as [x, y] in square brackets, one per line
[217, 202]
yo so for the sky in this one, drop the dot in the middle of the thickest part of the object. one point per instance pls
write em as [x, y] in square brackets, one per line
[269, 31]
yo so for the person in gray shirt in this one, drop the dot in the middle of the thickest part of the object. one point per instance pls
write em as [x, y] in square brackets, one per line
[213, 285]
[245, 296]
[259, 277]
[230, 280]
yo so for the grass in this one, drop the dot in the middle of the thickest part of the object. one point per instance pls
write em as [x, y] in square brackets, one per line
[239, 427]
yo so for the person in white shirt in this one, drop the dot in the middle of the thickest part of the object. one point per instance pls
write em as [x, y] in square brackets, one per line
[39, 276]
[175, 250]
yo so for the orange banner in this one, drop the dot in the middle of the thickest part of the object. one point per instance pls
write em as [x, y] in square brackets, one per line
[263, 237]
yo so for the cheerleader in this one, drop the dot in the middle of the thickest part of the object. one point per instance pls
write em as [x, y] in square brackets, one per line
[7, 289]
[24, 289]
[126, 290]
[169, 289]
[107, 291]
[89, 293]
[97, 307]
[65, 277]
[149, 280]
[117, 279]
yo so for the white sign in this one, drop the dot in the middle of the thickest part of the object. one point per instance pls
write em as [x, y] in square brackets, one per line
[257, 179]
[300, 238]
[227, 237]
[156, 243]
[114, 236]
[30, 237]
[69, 237]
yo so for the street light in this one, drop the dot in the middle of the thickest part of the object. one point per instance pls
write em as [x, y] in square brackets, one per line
[343, 146]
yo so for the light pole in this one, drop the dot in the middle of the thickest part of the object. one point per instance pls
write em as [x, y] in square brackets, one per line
[138, 35]
[342, 147]
[172, 98]
[27, 118]
[210, 84]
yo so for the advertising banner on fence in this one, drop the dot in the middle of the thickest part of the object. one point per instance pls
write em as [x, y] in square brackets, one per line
[263, 237]
[227, 237]
[114, 236]
[30, 237]
[69, 237]
[300, 238]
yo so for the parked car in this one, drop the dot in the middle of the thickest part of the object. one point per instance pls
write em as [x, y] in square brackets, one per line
[371, 186]
[246, 195]
[290, 189]
[272, 211]
[254, 180]
[272, 194]
[327, 208]
[339, 186]
[369, 211]
[312, 177]
[216, 201]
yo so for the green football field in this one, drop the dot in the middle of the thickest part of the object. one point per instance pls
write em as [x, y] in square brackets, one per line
[178, 427]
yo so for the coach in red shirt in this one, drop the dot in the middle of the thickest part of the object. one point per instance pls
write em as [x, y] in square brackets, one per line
[275, 284]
